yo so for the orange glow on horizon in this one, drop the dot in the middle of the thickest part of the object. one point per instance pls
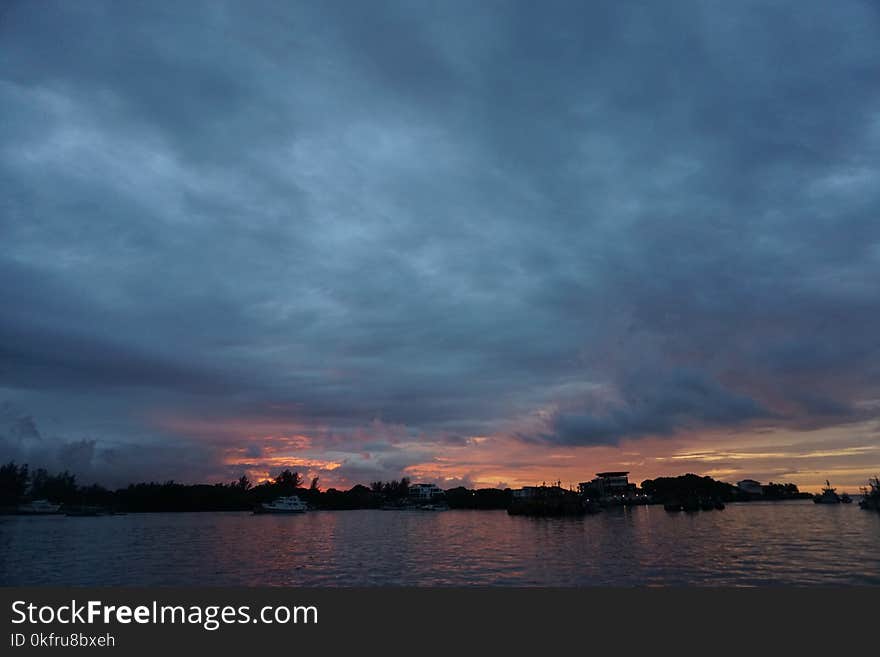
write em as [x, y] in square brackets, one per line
[847, 455]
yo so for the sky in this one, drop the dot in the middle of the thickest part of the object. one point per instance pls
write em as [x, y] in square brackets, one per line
[474, 243]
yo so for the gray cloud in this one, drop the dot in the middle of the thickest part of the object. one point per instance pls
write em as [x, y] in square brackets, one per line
[444, 216]
[655, 404]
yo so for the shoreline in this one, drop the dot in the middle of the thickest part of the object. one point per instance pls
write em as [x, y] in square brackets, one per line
[414, 509]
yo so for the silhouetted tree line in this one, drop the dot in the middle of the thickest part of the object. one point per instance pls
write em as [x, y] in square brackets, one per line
[18, 484]
[392, 490]
[13, 483]
[783, 492]
[482, 498]
[666, 489]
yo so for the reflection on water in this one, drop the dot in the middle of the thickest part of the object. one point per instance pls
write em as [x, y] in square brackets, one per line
[747, 544]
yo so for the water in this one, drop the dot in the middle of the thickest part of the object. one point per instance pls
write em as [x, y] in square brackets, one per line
[747, 544]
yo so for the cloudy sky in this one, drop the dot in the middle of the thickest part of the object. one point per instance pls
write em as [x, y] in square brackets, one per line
[468, 242]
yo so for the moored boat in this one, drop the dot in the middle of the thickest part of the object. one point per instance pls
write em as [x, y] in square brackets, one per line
[38, 508]
[828, 496]
[433, 506]
[86, 510]
[290, 504]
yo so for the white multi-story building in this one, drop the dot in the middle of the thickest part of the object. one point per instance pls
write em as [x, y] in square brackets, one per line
[424, 491]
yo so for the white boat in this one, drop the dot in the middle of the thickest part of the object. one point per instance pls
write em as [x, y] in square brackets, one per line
[291, 504]
[38, 508]
[829, 495]
[435, 506]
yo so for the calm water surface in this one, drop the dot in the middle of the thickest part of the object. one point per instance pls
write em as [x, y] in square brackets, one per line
[746, 544]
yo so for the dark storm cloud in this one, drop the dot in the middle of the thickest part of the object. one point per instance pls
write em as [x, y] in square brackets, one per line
[633, 219]
[52, 336]
[657, 405]
[109, 460]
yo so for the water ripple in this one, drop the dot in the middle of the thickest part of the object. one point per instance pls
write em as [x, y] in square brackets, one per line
[745, 545]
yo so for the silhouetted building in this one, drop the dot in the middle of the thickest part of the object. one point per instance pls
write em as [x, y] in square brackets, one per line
[608, 484]
[750, 486]
[424, 491]
[525, 492]
[530, 492]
